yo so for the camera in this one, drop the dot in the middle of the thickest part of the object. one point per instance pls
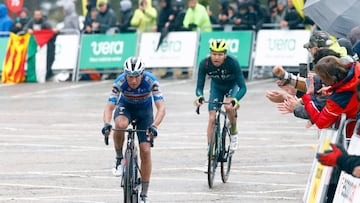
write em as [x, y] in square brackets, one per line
[303, 70]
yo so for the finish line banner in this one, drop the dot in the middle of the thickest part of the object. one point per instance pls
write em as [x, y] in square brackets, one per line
[178, 49]
[281, 47]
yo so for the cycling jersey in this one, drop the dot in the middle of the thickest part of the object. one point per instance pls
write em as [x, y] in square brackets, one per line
[227, 78]
[140, 97]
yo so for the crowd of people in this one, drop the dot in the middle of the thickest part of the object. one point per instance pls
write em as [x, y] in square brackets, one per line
[170, 15]
[329, 90]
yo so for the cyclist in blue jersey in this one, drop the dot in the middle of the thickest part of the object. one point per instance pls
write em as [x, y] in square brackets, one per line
[131, 98]
[227, 80]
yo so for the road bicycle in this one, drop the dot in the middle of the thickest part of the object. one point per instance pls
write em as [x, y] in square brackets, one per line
[131, 178]
[219, 146]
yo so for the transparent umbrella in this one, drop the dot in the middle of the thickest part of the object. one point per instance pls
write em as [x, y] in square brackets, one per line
[334, 16]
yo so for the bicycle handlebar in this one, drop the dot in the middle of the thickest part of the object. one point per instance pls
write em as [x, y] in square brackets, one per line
[129, 130]
[212, 102]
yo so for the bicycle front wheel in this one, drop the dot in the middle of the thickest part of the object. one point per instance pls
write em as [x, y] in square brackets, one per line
[226, 155]
[128, 178]
[212, 156]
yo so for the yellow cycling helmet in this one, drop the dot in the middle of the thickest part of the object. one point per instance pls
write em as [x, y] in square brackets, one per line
[218, 45]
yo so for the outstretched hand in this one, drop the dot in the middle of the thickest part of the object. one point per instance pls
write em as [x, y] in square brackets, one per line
[329, 158]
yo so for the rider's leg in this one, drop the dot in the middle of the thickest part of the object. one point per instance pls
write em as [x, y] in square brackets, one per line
[231, 115]
[121, 122]
[145, 155]
[210, 124]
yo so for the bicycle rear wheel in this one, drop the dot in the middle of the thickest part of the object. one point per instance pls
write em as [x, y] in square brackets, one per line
[212, 156]
[226, 155]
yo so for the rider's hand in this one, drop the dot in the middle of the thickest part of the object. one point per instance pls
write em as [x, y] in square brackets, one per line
[199, 101]
[330, 158]
[152, 131]
[106, 132]
[235, 103]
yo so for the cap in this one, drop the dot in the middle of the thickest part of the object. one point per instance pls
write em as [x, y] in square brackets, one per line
[319, 39]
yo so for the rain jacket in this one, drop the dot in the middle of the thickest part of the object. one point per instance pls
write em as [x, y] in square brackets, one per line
[144, 21]
[5, 21]
[199, 17]
[342, 99]
[71, 20]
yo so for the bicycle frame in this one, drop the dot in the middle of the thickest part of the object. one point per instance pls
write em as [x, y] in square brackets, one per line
[130, 180]
[217, 151]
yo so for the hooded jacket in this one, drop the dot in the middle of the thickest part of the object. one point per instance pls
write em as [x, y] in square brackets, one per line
[342, 99]
[71, 20]
[144, 21]
[5, 21]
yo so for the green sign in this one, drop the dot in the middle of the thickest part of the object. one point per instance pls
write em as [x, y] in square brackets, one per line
[239, 45]
[3, 48]
[106, 51]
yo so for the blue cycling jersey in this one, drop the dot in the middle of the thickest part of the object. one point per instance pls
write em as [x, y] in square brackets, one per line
[141, 97]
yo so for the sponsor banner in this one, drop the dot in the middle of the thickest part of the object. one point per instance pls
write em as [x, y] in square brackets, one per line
[106, 51]
[348, 187]
[320, 175]
[281, 47]
[178, 49]
[239, 45]
[3, 46]
[66, 49]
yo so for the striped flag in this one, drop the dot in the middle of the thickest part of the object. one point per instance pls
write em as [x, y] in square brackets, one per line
[14, 64]
[37, 62]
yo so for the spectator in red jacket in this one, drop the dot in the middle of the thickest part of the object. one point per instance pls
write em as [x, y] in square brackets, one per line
[342, 97]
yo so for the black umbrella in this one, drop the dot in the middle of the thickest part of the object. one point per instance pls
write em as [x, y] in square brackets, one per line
[163, 34]
[334, 16]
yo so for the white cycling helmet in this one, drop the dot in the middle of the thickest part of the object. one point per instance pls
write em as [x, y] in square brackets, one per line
[134, 66]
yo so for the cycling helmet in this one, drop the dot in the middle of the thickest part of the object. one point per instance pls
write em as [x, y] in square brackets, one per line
[134, 66]
[218, 45]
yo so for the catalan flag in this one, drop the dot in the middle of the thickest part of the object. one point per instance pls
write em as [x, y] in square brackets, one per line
[13, 67]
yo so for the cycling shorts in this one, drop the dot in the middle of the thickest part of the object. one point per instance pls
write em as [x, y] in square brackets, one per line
[218, 92]
[144, 118]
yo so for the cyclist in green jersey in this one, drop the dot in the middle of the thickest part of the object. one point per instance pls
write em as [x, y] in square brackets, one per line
[227, 80]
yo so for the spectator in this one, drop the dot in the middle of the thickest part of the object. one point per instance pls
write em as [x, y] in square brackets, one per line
[240, 18]
[223, 17]
[292, 17]
[144, 17]
[71, 19]
[126, 15]
[256, 15]
[279, 12]
[165, 12]
[5, 21]
[176, 23]
[342, 96]
[106, 17]
[91, 24]
[90, 4]
[22, 19]
[197, 17]
[338, 157]
[38, 22]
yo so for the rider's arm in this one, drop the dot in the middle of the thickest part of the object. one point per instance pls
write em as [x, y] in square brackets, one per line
[239, 80]
[160, 113]
[159, 103]
[201, 79]
[112, 101]
[109, 108]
